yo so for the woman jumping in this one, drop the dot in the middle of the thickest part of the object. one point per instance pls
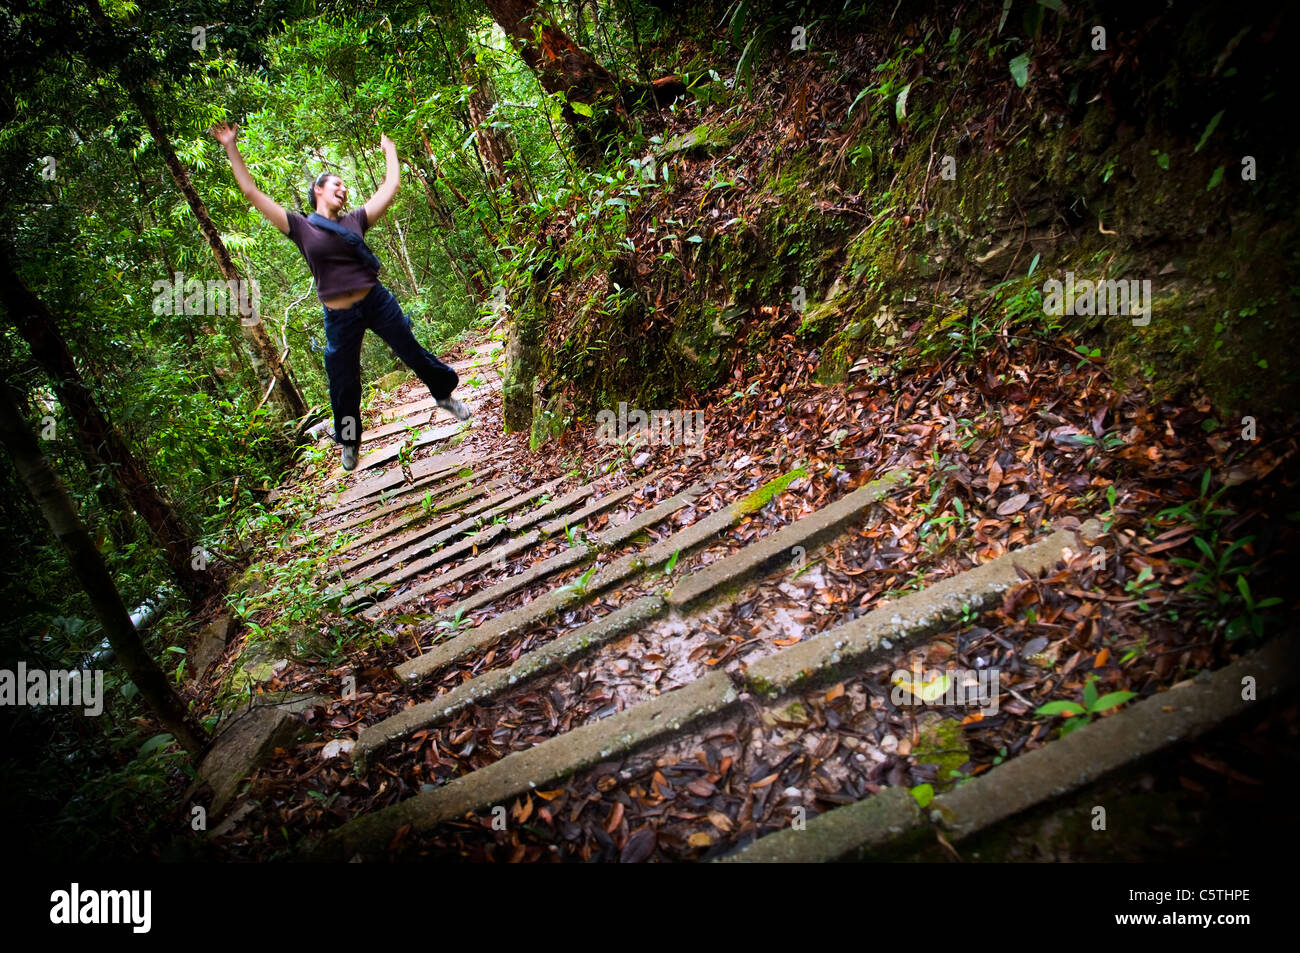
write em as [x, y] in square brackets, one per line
[347, 283]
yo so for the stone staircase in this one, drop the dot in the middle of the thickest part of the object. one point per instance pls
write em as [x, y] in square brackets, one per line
[509, 593]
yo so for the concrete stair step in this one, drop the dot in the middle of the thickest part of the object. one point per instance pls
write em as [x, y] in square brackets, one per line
[426, 438]
[418, 542]
[421, 538]
[440, 463]
[473, 396]
[438, 489]
[415, 513]
[479, 562]
[847, 649]
[891, 821]
[724, 576]
[507, 623]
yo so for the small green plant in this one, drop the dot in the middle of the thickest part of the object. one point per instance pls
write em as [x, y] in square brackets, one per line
[580, 585]
[967, 433]
[933, 531]
[1139, 649]
[1078, 715]
[804, 568]
[971, 336]
[407, 450]
[1140, 586]
[672, 562]
[1203, 512]
[1089, 354]
[314, 456]
[1217, 579]
[456, 623]
[1111, 440]
[748, 392]
[180, 666]
[1249, 623]
[323, 799]
[915, 584]
[1108, 518]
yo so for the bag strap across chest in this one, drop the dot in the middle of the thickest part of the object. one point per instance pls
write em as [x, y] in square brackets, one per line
[355, 241]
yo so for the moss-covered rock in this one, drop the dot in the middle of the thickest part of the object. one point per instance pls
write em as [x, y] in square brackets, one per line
[550, 420]
[524, 360]
[942, 745]
[252, 582]
[704, 140]
[393, 380]
[759, 498]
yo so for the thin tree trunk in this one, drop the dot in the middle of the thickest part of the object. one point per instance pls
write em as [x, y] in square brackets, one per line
[404, 256]
[116, 507]
[454, 73]
[88, 566]
[37, 324]
[629, 21]
[261, 351]
[473, 285]
[435, 201]
[493, 147]
[199, 364]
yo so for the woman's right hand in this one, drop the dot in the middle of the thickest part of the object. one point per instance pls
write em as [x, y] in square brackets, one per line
[224, 133]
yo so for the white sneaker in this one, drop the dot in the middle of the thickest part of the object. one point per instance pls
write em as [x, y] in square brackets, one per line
[349, 458]
[457, 408]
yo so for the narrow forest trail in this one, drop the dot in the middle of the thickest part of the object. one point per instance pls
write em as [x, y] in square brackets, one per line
[597, 652]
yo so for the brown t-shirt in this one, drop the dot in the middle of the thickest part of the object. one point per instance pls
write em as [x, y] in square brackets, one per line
[333, 264]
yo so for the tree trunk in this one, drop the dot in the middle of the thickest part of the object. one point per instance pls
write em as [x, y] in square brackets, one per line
[443, 215]
[113, 502]
[473, 284]
[440, 209]
[267, 366]
[88, 566]
[261, 349]
[405, 257]
[37, 325]
[494, 148]
[564, 67]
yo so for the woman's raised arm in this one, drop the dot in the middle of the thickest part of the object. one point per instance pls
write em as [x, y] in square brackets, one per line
[383, 198]
[272, 212]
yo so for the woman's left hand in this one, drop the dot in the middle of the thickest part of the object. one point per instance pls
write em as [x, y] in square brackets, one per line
[385, 143]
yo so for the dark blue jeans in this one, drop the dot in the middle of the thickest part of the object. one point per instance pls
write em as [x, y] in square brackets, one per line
[344, 328]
